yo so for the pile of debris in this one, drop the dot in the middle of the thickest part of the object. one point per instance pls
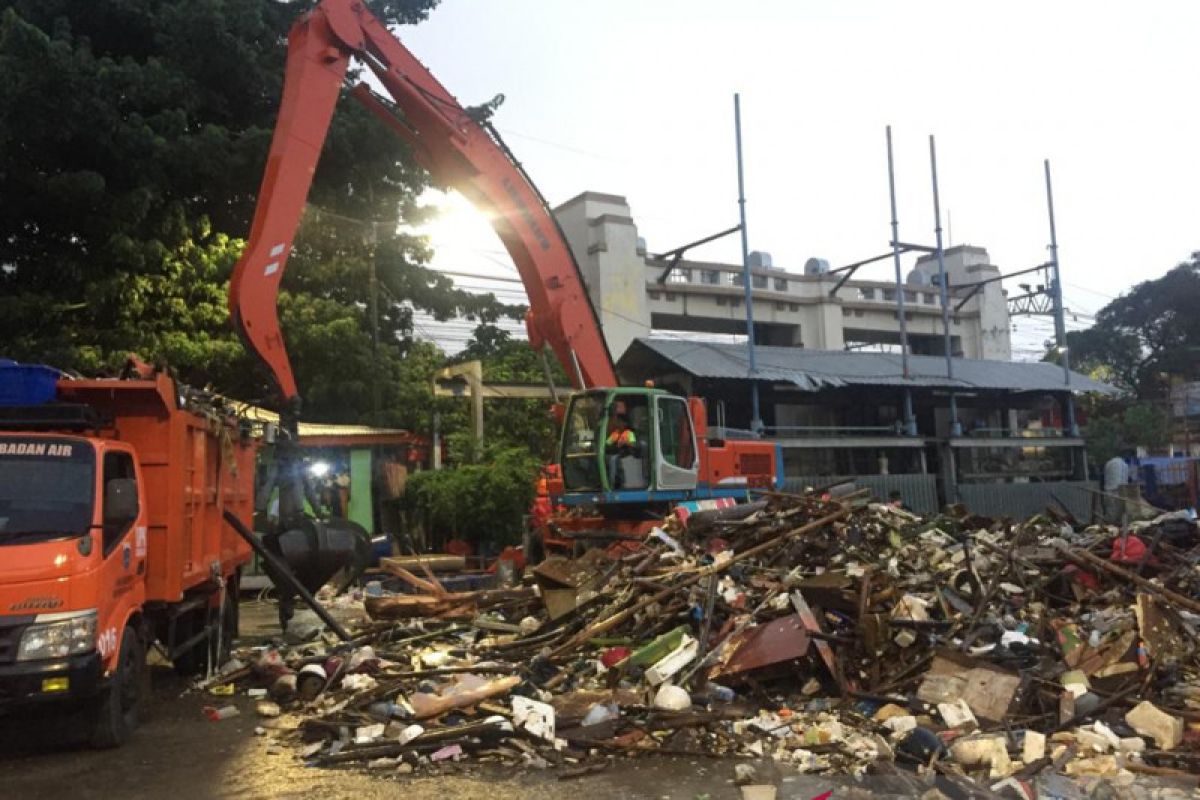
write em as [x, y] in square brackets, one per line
[831, 634]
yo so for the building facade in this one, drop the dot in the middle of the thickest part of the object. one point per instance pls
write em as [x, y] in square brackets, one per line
[791, 308]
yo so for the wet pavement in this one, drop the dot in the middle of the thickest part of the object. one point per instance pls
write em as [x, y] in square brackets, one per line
[178, 754]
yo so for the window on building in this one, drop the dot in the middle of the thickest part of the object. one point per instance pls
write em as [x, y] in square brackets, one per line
[910, 296]
[680, 276]
[928, 298]
[735, 302]
[737, 279]
[957, 321]
[889, 294]
[758, 281]
[907, 316]
[780, 306]
[781, 284]
[793, 306]
[846, 311]
[858, 312]
[711, 277]
[866, 294]
[722, 300]
[669, 297]
[652, 295]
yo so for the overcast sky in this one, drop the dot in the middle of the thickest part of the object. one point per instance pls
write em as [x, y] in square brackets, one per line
[636, 98]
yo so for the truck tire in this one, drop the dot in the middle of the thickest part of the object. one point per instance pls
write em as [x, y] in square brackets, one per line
[120, 705]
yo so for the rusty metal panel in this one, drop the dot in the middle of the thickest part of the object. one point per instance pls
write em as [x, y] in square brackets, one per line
[775, 642]
[1021, 500]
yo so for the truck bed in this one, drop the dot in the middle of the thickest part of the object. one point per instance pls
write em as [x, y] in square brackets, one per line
[194, 466]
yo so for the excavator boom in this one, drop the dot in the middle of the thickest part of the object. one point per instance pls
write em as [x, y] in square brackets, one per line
[461, 151]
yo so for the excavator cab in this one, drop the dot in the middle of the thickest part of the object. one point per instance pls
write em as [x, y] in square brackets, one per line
[627, 445]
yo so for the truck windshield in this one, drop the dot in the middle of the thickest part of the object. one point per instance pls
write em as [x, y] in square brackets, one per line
[47, 488]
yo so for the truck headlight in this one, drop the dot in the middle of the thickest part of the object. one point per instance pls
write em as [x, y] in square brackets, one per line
[74, 633]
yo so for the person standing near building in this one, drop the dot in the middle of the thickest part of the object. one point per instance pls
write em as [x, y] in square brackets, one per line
[1116, 476]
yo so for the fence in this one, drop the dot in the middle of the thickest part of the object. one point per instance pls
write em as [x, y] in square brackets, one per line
[1020, 500]
[918, 492]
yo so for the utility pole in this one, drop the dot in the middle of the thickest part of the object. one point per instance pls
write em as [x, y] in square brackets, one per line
[910, 422]
[756, 423]
[1060, 324]
[955, 425]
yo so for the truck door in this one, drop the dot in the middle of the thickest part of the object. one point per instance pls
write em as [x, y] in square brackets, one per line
[676, 461]
[123, 548]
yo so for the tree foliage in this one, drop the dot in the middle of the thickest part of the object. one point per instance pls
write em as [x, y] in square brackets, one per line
[1142, 342]
[479, 502]
[133, 137]
[1143, 337]
[526, 424]
[1116, 427]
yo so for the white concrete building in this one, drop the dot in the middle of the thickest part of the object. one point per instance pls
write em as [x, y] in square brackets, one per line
[790, 308]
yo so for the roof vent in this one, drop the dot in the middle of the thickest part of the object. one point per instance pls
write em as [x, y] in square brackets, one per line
[761, 259]
[816, 266]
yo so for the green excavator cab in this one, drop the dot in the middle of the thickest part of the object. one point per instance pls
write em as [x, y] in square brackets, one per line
[628, 441]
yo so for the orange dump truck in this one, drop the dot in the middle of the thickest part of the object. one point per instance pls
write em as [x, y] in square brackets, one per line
[111, 537]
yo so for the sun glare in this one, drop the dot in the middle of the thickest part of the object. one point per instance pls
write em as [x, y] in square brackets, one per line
[458, 224]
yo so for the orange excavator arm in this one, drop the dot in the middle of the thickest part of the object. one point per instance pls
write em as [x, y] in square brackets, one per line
[461, 151]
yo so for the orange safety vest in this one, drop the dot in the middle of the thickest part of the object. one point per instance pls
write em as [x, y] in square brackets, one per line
[624, 437]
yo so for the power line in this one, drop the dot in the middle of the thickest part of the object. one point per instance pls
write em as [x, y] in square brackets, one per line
[561, 146]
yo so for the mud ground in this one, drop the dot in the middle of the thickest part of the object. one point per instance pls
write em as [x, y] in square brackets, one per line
[178, 754]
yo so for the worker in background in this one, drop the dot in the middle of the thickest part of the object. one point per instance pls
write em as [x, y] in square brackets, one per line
[621, 441]
[1116, 476]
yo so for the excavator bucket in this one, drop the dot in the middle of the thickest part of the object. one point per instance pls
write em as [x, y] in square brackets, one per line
[315, 551]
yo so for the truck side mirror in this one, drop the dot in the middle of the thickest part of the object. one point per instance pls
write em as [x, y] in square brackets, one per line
[120, 501]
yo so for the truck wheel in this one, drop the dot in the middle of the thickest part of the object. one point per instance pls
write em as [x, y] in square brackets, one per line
[117, 715]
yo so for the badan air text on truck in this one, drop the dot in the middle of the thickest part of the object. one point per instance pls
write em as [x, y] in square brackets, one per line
[111, 536]
[623, 482]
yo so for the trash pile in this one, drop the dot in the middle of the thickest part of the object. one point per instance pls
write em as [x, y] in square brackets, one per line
[830, 634]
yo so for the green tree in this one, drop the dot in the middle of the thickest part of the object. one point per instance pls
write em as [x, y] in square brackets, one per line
[1104, 439]
[483, 502]
[527, 424]
[1145, 426]
[1150, 332]
[133, 136]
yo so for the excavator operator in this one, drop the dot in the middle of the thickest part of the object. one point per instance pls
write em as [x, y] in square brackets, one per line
[620, 436]
[621, 441]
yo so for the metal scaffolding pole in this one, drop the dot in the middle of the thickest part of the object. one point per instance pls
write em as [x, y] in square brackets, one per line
[910, 422]
[955, 425]
[756, 423]
[1060, 324]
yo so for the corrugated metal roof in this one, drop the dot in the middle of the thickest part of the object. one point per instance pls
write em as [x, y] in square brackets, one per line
[813, 370]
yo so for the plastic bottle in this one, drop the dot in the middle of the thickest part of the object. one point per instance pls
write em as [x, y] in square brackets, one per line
[720, 694]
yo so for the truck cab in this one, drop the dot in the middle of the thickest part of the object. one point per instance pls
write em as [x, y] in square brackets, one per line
[73, 550]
